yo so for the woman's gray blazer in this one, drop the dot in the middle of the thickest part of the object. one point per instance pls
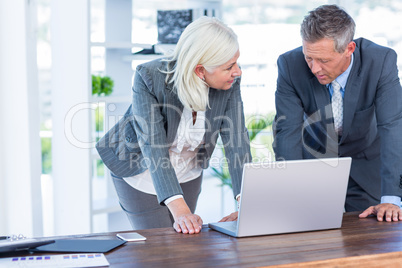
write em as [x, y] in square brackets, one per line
[142, 138]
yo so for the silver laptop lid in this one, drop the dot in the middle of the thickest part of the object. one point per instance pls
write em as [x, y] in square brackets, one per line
[293, 196]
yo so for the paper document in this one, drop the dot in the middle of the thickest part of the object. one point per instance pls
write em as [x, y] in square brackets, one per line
[59, 260]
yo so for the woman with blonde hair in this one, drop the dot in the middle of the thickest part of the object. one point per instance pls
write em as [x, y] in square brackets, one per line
[180, 104]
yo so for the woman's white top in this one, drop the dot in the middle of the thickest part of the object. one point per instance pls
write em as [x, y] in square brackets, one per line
[182, 153]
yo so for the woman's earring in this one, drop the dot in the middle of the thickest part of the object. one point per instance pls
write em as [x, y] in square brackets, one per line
[203, 80]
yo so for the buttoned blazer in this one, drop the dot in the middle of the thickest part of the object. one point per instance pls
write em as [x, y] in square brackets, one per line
[372, 122]
[142, 138]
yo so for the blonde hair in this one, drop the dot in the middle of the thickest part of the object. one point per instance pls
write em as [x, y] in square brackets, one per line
[206, 41]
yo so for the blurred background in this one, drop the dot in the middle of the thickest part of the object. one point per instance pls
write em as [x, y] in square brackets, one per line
[65, 73]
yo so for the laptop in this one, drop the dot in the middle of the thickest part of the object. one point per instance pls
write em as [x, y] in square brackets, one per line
[290, 196]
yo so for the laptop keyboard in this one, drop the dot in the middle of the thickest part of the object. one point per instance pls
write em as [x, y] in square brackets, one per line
[232, 226]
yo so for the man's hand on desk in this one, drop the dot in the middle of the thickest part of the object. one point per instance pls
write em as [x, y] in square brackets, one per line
[184, 221]
[388, 211]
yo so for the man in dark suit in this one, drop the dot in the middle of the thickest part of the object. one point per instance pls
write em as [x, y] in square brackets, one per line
[342, 97]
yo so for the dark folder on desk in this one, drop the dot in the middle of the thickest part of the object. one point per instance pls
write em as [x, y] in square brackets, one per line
[81, 245]
[22, 244]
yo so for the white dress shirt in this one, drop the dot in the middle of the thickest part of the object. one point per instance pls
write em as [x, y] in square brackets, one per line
[182, 153]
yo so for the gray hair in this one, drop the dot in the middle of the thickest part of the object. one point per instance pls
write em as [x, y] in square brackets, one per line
[206, 41]
[331, 22]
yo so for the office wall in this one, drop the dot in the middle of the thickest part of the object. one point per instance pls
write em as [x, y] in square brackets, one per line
[70, 116]
[20, 198]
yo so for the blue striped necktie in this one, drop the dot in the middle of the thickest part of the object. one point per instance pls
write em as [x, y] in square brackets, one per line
[337, 107]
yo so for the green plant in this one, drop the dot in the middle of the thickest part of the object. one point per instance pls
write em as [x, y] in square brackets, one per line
[102, 85]
[99, 118]
[255, 125]
[46, 144]
[222, 173]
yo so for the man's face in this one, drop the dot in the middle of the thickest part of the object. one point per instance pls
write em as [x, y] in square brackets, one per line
[324, 62]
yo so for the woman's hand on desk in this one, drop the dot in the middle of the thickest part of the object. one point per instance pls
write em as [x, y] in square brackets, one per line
[184, 221]
[231, 217]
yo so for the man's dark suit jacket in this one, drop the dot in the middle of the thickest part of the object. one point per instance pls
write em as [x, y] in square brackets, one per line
[372, 124]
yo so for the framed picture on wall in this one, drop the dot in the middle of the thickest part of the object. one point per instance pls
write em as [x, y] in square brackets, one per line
[171, 23]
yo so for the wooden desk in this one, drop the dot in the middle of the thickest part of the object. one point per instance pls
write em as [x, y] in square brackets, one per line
[359, 243]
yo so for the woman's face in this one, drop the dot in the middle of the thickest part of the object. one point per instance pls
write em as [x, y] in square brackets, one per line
[223, 76]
